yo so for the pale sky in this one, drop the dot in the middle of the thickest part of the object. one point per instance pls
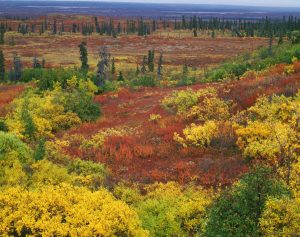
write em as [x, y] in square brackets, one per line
[266, 3]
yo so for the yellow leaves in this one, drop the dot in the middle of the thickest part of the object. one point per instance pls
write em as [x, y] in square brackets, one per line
[180, 101]
[281, 218]
[273, 134]
[66, 211]
[170, 210]
[197, 135]
[154, 117]
[72, 83]
[47, 173]
[97, 141]
[210, 108]
[203, 105]
[47, 116]
[289, 69]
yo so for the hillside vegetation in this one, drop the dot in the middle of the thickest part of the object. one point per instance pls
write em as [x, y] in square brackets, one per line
[86, 153]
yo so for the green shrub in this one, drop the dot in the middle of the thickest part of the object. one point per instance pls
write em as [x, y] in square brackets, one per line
[148, 81]
[237, 212]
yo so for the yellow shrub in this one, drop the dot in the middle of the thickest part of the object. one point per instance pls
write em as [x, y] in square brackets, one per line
[180, 101]
[197, 135]
[47, 116]
[154, 117]
[289, 69]
[98, 139]
[66, 211]
[170, 210]
[271, 132]
[281, 218]
[210, 108]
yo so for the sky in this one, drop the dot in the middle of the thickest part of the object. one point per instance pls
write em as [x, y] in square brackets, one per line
[266, 3]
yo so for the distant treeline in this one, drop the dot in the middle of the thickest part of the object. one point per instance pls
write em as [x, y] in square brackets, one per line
[265, 27]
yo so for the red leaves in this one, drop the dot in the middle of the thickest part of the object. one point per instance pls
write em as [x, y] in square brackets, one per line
[150, 154]
[7, 94]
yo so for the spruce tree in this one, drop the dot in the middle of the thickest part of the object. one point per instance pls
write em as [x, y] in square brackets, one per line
[54, 30]
[113, 67]
[159, 66]
[2, 32]
[43, 63]
[2, 66]
[120, 77]
[83, 56]
[195, 32]
[97, 25]
[143, 69]
[103, 66]
[137, 71]
[151, 60]
[185, 69]
[36, 63]
[18, 68]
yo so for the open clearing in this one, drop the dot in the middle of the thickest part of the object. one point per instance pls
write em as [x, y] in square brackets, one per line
[128, 50]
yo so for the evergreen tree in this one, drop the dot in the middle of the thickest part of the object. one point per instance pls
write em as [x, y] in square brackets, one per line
[83, 56]
[271, 45]
[120, 77]
[2, 32]
[2, 66]
[17, 71]
[27, 120]
[195, 32]
[103, 66]
[113, 67]
[119, 29]
[213, 34]
[36, 63]
[54, 30]
[151, 60]
[143, 69]
[97, 26]
[159, 66]
[137, 71]
[43, 63]
[185, 69]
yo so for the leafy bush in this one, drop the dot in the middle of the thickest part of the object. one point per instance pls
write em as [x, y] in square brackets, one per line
[44, 116]
[148, 81]
[46, 78]
[66, 210]
[270, 132]
[169, 210]
[258, 61]
[180, 101]
[197, 135]
[210, 107]
[15, 158]
[281, 217]
[237, 212]
[88, 174]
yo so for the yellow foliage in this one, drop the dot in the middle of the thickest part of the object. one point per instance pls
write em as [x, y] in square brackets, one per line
[197, 135]
[180, 101]
[210, 108]
[170, 210]
[98, 139]
[47, 173]
[66, 211]
[271, 132]
[203, 104]
[281, 218]
[47, 116]
[289, 69]
[154, 117]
